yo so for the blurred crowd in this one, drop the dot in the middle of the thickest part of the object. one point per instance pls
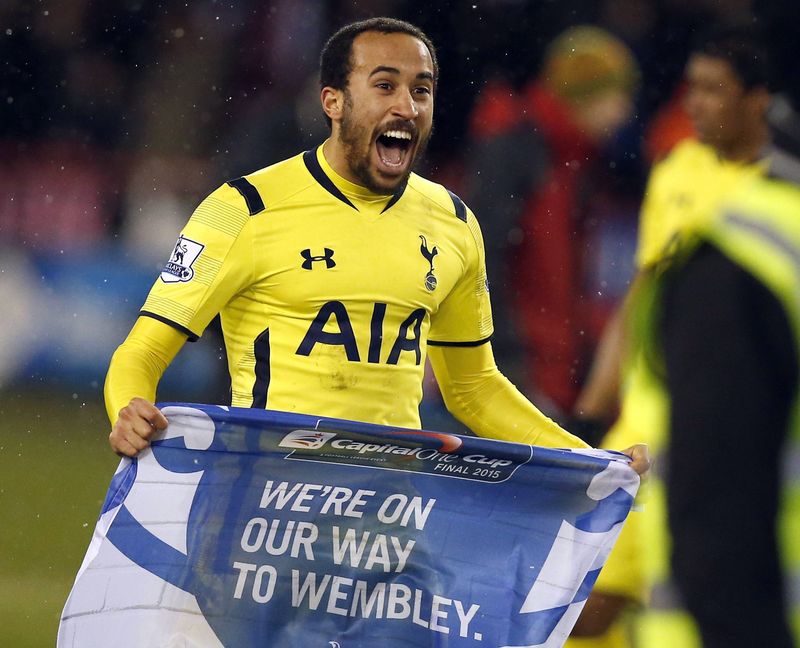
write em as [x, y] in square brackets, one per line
[116, 118]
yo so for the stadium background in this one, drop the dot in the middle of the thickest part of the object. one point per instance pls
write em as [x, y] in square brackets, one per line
[117, 117]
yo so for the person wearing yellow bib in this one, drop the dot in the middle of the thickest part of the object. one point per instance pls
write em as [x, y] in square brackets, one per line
[725, 329]
[728, 326]
[727, 99]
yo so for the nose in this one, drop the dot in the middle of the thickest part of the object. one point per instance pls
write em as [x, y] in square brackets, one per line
[405, 106]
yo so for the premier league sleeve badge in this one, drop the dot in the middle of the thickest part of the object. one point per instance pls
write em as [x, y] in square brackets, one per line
[179, 266]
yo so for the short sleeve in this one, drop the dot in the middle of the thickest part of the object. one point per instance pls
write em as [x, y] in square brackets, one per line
[211, 261]
[465, 317]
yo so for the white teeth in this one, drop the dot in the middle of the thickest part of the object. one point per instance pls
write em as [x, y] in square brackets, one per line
[398, 134]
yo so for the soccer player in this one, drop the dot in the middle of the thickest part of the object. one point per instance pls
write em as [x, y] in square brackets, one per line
[727, 99]
[336, 272]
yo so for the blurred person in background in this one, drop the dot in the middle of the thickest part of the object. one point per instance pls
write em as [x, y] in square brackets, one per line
[536, 166]
[331, 270]
[727, 328]
[728, 323]
[724, 328]
[726, 97]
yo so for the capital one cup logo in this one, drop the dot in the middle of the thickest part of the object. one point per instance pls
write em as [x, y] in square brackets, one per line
[306, 439]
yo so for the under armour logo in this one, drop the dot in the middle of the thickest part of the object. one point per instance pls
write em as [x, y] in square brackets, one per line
[430, 279]
[308, 264]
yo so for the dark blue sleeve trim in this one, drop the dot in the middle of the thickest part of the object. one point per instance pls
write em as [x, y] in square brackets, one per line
[472, 343]
[192, 337]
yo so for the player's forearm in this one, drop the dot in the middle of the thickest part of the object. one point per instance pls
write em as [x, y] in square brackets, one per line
[482, 398]
[138, 364]
[496, 409]
[132, 373]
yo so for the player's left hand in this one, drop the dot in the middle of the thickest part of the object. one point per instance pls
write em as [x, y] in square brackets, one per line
[640, 458]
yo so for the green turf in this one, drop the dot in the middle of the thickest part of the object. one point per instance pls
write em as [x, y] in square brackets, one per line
[55, 466]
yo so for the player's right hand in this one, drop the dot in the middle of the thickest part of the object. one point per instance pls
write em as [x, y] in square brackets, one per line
[136, 425]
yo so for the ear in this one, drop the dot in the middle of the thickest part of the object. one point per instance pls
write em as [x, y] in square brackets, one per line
[332, 102]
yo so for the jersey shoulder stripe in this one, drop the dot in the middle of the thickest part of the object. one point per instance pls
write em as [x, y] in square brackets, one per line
[460, 207]
[281, 181]
[252, 198]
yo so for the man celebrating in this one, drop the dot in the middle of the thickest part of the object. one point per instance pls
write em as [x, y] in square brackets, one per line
[338, 271]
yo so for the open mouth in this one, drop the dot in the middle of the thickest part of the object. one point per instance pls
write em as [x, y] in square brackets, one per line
[393, 148]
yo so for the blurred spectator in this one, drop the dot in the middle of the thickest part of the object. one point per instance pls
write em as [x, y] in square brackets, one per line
[70, 69]
[545, 202]
[160, 191]
[62, 116]
[727, 99]
[730, 341]
[182, 93]
[274, 121]
[729, 326]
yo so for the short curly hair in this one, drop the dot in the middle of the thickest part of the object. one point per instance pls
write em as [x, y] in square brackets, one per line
[335, 62]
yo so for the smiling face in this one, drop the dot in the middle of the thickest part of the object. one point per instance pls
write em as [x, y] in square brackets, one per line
[383, 118]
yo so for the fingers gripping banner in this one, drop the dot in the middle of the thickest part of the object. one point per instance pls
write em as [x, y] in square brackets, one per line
[252, 528]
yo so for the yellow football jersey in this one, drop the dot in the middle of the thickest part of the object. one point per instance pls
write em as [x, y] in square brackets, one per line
[328, 294]
[683, 192]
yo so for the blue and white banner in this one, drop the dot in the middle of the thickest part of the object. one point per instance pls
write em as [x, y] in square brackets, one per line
[250, 528]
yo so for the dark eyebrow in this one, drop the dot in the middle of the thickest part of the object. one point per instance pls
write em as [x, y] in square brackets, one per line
[384, 68]
[392, 70]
